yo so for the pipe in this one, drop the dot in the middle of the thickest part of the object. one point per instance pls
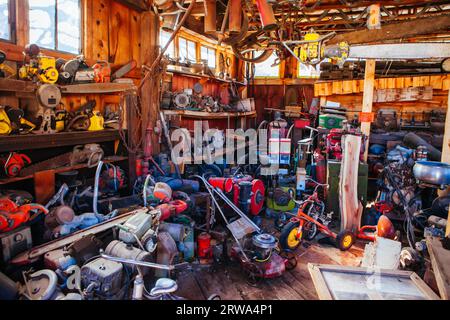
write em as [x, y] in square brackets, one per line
[210, 16]
[235, 16]
[96, 186]
[268, 20]
[412, 140]
[140, 263]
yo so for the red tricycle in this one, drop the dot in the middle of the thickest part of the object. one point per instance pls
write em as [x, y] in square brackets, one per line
[307, 226]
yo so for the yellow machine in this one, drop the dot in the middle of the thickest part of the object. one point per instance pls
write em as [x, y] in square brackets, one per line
[40, 69]
[5, 70]
[310, 53]
[314, 51]
[5, 123]
[97, 122]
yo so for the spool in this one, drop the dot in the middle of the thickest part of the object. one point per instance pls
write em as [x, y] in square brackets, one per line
[162, 191]
[59, 216]
[224, 184]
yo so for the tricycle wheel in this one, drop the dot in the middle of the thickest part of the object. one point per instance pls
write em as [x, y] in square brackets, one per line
[345, 240]
[288, 238]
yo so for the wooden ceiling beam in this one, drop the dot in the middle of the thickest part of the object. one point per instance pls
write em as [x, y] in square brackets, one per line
[394, 31]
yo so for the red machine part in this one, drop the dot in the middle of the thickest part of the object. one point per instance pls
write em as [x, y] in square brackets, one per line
[204, 246]
[102, 72]
[15, 163]
[12, 216]
[172, 208]
[383, 207]
[384, 229]
[258, 192]
[257, 196]
[224, 184]
[334, 141]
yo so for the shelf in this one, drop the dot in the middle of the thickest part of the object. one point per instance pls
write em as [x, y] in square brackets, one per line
[63, 139]
[112, 159]
[209, 115]
[96, 88]
[202, 76]
[21, 86]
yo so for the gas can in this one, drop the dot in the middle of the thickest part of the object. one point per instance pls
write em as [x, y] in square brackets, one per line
[204, 246]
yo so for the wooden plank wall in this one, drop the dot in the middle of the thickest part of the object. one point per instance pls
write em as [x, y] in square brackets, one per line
[350, 94]
[273, 96]
[111, 32]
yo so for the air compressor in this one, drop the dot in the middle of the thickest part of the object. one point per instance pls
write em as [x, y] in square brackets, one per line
[247, 193]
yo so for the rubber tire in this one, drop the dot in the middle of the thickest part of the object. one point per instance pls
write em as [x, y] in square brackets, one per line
[307, 235]
[285, 235]
[340, 238]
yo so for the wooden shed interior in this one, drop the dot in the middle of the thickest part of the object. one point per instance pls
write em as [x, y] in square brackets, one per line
[248, 149]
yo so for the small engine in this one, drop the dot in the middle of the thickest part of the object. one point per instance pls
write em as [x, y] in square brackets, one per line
[102, 278]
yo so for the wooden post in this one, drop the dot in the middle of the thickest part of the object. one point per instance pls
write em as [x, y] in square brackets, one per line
[446, 152]
[369, 87]
[351, 207]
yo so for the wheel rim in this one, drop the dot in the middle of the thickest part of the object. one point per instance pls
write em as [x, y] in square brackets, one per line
[347, 241]
[293, 241]
[311, 230]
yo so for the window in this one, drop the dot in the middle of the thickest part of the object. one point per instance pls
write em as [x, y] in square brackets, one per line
[56, 24]
[209, 54]
[164, 37]
[5, 22]
[308, 71]
[268, 68]
[187, 50]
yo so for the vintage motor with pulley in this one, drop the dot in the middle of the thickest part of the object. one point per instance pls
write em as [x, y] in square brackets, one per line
[260, 259]
[49, 98]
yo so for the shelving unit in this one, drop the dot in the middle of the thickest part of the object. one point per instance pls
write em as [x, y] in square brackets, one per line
[44, 181]
[110, 160]
[12, 85]
[63, 139]
[209, 115]
[202, 76]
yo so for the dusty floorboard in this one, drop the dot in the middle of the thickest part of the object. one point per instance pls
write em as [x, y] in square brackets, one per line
[230, 282]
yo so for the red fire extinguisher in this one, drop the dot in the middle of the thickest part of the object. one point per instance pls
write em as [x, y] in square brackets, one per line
[204, 246]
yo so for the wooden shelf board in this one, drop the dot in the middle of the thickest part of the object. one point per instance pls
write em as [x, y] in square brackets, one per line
[63, 139]
[112, 159]
[202, 76]
[21, 86]
[208, 115]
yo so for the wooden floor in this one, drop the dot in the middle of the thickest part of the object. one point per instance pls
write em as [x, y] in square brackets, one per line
[230, 283]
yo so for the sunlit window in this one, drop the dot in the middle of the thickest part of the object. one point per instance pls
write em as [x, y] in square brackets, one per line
[56, 24]
[308, 71]
[5, 27]
[164, 37]
[269, 68]
[209, 54]
[187, 50]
